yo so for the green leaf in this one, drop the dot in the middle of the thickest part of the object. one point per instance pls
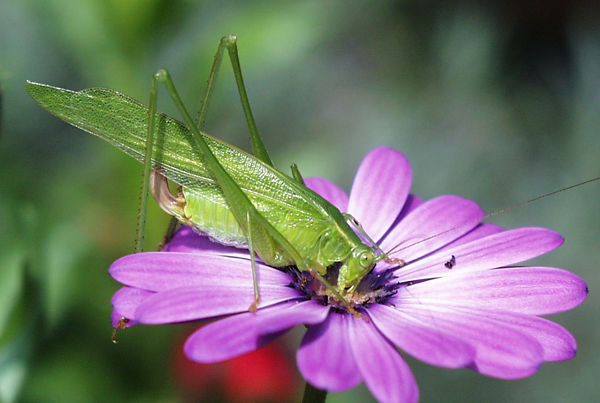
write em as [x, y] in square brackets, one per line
[14, 359]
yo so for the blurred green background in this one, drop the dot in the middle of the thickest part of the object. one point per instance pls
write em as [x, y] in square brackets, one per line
[494, 101]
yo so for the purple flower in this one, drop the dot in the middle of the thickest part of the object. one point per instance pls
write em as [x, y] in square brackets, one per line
[459, 301]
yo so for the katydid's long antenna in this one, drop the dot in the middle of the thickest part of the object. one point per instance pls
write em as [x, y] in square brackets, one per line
[492, 214]
[504, 210]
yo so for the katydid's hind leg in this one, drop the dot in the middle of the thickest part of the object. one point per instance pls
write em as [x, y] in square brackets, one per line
[241, 207]
[210, 84]
[258, 147]
[236, 199]
[147, 166]
[254, 306]
[229, 42]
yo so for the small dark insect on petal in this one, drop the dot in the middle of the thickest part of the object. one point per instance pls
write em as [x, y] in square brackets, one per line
[451, 263]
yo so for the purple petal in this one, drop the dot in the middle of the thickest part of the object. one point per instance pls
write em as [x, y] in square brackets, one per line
[329, 191]
[420, 341]
[384, 371]
[200, 302]
[501, 351]
[325, 356]
[501, 249]
[530, 290]
[125, 301]
[187, 240]
[557, 343]
[379, 191]
[412, 202]
[236, 335]
[159, 271]
[432, 225]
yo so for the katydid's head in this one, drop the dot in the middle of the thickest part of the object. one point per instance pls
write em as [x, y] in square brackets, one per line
[359, 263]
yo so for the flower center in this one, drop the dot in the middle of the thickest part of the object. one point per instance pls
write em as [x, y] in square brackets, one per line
[374, 288]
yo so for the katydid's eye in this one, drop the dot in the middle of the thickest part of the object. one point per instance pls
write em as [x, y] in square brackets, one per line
[365, 259]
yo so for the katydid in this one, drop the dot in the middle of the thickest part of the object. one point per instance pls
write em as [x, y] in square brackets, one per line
[233, 197]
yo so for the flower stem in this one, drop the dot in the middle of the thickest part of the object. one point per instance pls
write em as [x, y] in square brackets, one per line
[313, 395]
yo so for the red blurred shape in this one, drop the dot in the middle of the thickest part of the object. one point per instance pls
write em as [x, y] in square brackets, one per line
[264, 375]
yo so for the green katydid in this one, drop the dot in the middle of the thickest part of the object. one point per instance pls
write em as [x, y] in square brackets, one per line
[236, 198]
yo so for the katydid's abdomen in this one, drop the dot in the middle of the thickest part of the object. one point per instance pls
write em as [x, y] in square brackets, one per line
[211, 217]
